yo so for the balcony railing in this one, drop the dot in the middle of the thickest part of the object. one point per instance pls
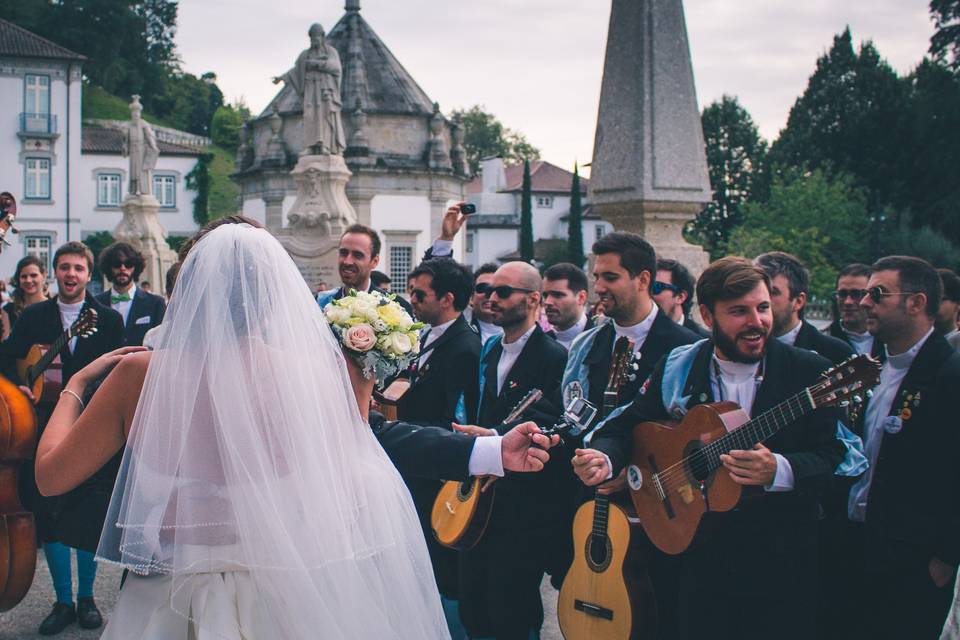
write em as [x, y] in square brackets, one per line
[43, 124]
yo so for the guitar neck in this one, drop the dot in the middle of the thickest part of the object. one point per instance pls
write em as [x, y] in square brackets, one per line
[601, 512]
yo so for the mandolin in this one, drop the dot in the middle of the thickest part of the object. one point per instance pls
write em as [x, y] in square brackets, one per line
[461, 510]
[602, 596]
[677, 476]
[41, 369]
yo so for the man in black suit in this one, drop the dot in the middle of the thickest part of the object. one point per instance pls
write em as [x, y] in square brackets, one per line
[57, 518]
[141, 311]
[500, 577]
[357, 256]
[850, 321]
[789, 288]
[906, 506]
[751, 572]
[443, 383]
[673, 292]
[565, 302]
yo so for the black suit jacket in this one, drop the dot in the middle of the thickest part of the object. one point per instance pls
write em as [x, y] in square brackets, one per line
[914, 502]
[692, 325]
[528, 502]
[877, 351]
[451, 371]
[146, 312]
[833, 349]
[424, 452]
[809, 444]
[400, 299]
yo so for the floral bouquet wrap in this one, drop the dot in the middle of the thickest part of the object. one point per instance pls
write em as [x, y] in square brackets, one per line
[376, 331]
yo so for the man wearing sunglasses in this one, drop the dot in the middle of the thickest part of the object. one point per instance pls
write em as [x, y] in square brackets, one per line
[121, 264]
[905, 509]
[673, 293]
[481, 317]
[500, 577]
[789, 288]
[850, 323]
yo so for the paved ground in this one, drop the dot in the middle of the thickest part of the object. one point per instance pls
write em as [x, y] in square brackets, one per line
[21, 623]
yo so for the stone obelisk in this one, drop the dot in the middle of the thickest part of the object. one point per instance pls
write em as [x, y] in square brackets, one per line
[321, 211]
[140, 225]
[649, 172]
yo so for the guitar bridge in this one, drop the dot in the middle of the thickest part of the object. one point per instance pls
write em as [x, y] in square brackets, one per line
[593, 610]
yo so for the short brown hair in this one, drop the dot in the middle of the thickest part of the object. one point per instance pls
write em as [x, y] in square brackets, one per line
[367, 231]
[210, 226]
[74, 248]
[728, 279]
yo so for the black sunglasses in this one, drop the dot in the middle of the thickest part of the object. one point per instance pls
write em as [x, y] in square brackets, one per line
[856, 294]
[419, 294]
[123, 263]
[659, 287]
[504, 291]
[877, 293]
[482, 288]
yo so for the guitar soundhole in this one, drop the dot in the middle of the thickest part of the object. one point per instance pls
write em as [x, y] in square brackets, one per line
[598, 552]
[464, 491]
[698, 466]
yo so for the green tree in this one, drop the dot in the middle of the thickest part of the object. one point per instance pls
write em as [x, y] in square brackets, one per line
[819, 218]
[945, 42]
[199, 180]
[485, 136]
[225, 127]
[575, 221]
[97, 242]
[526, 216]
[735, 155]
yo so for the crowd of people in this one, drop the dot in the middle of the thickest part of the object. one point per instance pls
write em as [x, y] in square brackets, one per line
[849, 525]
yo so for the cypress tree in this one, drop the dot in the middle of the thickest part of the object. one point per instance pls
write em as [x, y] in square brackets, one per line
[575, 221]
[526, 217]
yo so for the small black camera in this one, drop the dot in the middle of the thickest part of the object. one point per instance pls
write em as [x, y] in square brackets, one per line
[468, 209]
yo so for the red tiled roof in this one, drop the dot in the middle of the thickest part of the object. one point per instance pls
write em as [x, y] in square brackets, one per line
[544, 177]
[18, 42]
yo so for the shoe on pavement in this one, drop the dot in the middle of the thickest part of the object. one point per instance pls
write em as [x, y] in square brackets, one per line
[62, 616]
[87, 614]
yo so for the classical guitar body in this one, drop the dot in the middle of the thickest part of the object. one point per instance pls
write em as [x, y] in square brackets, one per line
[603, 596]
[461, 512]
[18, 548]
[670, 507]
[46, 387]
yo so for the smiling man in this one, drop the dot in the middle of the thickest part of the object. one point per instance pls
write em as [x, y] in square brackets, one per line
[761, 557]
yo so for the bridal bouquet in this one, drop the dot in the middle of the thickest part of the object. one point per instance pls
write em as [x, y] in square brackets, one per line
[376, 331]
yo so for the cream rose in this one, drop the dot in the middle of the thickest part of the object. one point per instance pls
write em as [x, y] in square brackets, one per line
[360, 337]
[337, 314]
[397, 343]
[390, 313]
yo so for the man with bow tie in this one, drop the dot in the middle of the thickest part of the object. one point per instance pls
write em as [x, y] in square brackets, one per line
[122, 265]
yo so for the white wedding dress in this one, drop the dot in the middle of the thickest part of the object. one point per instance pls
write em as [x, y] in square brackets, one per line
[253, 501]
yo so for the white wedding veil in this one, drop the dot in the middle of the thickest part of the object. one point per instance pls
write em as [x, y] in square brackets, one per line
[248, 457]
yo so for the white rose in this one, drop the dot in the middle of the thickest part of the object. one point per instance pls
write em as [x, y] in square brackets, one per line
[365, 310]
[337, 314]
[397, 343]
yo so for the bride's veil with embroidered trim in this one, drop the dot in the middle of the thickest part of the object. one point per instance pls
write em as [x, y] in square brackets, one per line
[247, 454]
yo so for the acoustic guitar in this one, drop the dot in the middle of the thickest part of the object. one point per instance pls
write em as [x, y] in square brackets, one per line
[677, 476]
[602, 596]
[461, 510]
[41, 369]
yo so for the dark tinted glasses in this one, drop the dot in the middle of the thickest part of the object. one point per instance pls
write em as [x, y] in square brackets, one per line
[482, 288]
[877, 293]
[659, 287]
[504, 291]
[843, 294]
[419, 294]
[126, 264]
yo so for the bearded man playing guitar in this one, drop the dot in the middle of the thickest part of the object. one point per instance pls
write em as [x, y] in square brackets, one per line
[42, 323]
[751, 571]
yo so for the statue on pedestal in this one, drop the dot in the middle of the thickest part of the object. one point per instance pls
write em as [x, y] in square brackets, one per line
[316, 79]
[140, 144]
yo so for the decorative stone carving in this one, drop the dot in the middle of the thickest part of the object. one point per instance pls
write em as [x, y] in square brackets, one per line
[359, 145]
[276, 151]
[458, 154]
[439, 156]
[141, 227]
[140, 144]
[243, 150]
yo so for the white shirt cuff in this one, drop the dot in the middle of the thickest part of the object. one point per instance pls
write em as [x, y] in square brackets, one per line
[486, 458]
[609, 466]
[783, 479]
[442, 248]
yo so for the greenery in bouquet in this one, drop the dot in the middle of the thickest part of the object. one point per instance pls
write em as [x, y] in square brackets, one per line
[376, 331]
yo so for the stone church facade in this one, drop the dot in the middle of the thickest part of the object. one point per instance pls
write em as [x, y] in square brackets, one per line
[407, 159]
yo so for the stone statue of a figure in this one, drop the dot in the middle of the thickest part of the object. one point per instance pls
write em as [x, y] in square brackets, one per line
[316, 79]
[140, 144]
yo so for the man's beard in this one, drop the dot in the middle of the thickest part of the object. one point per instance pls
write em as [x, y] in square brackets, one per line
[122, 279]
[511, 316]
[352, 278]
[730, 349]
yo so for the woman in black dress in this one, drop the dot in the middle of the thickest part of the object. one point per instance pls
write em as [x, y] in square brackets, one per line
[30, 286]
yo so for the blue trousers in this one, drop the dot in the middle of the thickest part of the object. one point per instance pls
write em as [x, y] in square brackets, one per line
[58, 560]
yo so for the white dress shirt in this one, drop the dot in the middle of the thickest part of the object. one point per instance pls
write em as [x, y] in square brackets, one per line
[638, 332]
[790, 337]
[738, 382]
[487, 330]
[486, 458]
[123, 308]
[511, 351]
[68, 315]
[433, 336]
[878, 414]
[862, 342]
[566, 336]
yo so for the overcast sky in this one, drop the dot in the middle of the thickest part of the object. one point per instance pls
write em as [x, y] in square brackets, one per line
[537, 64]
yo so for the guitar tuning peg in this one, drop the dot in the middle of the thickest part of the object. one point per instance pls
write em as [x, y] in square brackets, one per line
[634, 366]
[869, 393]
[631, 377]
[857, 399]
[845, 403]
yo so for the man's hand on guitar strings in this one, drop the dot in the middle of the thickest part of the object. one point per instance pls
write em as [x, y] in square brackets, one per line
[590, 466]
[757, 466]
[524, 448]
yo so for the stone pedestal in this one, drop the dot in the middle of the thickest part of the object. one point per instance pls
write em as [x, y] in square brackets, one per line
[141, 228]
[318, 217]
[661, 224]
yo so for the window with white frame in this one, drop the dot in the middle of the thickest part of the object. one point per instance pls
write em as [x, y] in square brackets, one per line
[108, 189]
[36, 103]
[401, 262]
[544, 202]
[165, 190]
[38, 246]
[37, 182]
[599, 230]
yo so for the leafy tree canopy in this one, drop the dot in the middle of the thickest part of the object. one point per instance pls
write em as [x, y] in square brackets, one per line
[945, 42]
[485, 136]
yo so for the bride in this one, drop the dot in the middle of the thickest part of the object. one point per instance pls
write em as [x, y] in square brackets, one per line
[253, 500]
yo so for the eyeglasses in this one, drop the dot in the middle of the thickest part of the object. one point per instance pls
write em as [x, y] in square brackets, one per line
[843, 294]
[482, 288]
[123, 263]
[659, 287]
[877, 293]
[419, 294]
[504, 291]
